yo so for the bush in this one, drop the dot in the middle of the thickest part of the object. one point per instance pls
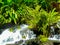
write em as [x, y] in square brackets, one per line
[35, 13]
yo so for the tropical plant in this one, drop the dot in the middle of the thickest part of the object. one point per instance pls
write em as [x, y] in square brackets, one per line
[38, 18]
[36, 13]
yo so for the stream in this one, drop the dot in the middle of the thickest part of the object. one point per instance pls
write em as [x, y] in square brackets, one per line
[17, 35]
[55, 34]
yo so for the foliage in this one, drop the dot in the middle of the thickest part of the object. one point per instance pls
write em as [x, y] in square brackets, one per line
[38, 14]
[40, 19]
[11, 8]
[34, 16]
[42, 38]
[7, 15]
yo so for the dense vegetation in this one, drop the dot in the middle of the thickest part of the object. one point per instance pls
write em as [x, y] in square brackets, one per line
[38, 14]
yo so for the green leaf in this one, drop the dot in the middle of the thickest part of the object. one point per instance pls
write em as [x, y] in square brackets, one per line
[37, 8]
[9, 1]
[28, 1]
[16, 16]
[15, 21]
[0, 1]
[42, 38]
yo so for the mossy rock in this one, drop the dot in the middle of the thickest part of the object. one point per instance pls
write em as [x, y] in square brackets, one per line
[47, 43]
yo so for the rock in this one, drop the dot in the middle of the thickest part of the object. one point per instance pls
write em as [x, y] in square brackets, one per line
[47, 43]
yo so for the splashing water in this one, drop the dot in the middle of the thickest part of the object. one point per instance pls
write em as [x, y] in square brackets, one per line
[23, 33]
[52, 30]
[56, 37]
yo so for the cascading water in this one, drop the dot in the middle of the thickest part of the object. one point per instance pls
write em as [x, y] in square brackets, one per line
[55, 37]
[23, 34]
[52, 31]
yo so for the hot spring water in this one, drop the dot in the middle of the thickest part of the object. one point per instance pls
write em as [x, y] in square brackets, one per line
[23, 34]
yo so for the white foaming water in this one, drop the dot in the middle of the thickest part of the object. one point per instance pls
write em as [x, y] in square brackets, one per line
[23, 33]
[55, 38]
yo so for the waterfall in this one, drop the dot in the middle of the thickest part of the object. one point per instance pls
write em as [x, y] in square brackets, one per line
[52, 30]
[22, 34]
[55, 37]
